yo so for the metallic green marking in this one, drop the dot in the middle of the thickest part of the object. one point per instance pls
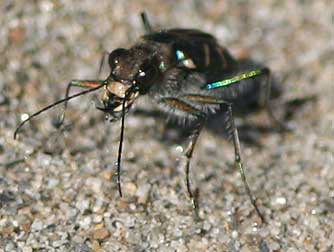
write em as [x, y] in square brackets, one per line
[180, 55]
[234, 79]
[162, 66]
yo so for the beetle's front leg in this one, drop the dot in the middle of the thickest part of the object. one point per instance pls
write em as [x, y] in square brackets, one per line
[76, 83]
[81, 84]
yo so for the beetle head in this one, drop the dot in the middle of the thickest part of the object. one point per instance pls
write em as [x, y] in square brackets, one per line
[133, 72]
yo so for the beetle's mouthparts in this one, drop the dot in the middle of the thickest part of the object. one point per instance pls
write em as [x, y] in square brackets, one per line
[117, 88]
[117, 93]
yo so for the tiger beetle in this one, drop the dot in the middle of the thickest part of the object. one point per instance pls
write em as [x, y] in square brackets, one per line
[186, 72]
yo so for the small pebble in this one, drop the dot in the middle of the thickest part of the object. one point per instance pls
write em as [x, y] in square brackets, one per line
[86, 222]
[82, 205]
[101, 234]
[274, 246]
[234, 234]
[24, 117]
[97, 218]
[143, 193]
[58, 243]
[281, 200]
[37, 225]
[130, 188]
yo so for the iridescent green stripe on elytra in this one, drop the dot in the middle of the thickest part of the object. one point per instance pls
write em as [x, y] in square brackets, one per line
[235, 79]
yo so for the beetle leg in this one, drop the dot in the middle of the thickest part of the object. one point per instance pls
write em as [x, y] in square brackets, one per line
[236, 142]
[238, 162]
[264, 92]
[76, 83]
[102, 60]
[96, 87]
[265, 100]
[188, 154]
[82, 84]
[204, 99]
[146, 23]
[185, 107]
[177, 103]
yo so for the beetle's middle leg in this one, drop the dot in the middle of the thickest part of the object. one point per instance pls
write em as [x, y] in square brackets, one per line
[183, 106]
[237, 150]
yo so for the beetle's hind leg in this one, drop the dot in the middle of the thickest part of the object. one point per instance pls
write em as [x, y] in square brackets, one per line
[238, 162]
[265, 99]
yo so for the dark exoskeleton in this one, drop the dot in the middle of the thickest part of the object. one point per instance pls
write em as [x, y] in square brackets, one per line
[186, 72]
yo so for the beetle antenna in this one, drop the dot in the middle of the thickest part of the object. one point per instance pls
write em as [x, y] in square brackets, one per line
[119, 158]
[55, 104]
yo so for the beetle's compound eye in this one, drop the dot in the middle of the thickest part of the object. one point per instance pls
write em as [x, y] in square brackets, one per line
[146, 75]
[115, 55]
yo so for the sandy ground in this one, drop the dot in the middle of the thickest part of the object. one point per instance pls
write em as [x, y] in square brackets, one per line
[57, 187]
